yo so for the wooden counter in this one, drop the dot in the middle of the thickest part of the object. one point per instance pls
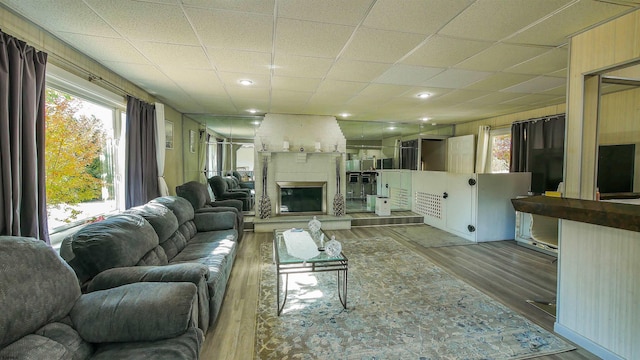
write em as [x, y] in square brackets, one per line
[611, 214]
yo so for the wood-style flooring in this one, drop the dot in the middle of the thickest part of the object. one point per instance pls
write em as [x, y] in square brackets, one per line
[503, 270]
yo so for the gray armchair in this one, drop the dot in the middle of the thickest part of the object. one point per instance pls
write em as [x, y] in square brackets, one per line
[45, 316]
[221, 191]
[249, 184]
[198, 195]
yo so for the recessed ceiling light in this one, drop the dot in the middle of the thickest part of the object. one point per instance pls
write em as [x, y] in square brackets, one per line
[425, 118]
[253, 111]
[423, 95]
[345, 115]
[391, 128]
[256, 122]
[245, 82]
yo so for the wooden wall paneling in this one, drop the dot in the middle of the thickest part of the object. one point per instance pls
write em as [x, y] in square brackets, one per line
[598, 288]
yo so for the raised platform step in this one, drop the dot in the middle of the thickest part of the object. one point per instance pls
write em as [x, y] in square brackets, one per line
[394, 219]
[252, 223]
[293, 221]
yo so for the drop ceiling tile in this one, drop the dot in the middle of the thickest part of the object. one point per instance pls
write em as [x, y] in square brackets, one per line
[440, 51]
[559, 91]
[549, 62]
[383, 91]
[285, 98]
[301, 66]
[165, 54]
[294, 83]
[497, 19]
[380, 45]
[233, 30]
[196, 80]
[233, 79]
[145, 76]
[53, 16]
[494, 98]
[535, 85]
[460, 96]
[415, 16]
[528, 100]
[240, 61]
[501, 56]
[147, 21]
[555, 30]
[499, 81]
[342, 12]
[245, 93]
[349, 70]
[246, 103]
[105, 49]
[329, 86]
[307, 38]
[456, 78]
[253, 6]
[407, 75]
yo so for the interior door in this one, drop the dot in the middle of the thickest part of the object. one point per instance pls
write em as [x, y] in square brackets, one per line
[461, 154]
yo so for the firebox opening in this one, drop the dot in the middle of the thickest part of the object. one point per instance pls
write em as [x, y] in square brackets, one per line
[299, 198]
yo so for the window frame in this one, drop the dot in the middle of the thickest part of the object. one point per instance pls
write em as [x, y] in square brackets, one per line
[492, 134]
[64, 81]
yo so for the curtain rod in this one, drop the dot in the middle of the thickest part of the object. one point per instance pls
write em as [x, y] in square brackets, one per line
[545, 118]
[91, 77]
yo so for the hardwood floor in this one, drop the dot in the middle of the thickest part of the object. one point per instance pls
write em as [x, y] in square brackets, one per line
[503, 270]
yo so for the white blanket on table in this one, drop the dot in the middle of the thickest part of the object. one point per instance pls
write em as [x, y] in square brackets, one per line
[300, 244]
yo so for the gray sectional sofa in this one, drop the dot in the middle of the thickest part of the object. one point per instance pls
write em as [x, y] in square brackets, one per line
[163, 240]
[45, 316]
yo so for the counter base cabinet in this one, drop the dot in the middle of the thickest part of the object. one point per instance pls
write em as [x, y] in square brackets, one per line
[476, 207]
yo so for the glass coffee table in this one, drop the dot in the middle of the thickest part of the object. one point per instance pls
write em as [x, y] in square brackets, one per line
[288, 264]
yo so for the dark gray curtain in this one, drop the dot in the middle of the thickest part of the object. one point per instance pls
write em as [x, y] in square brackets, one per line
[219, 155]
[537, 146]
[409, 155]
[23, 209]
[141, 183]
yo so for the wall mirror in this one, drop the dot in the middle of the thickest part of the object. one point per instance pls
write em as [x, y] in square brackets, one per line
[226, 144]
[618, 134]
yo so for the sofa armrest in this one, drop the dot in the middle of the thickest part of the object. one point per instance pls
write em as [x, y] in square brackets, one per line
[136, 312]
[185, 272]
[213, 221]
[195, 273]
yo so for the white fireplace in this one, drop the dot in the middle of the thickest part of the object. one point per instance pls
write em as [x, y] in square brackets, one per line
[316, 145]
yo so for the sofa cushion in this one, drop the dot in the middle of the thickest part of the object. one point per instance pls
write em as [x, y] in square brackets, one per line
[162, 219]
[120, 240]
[22, 260]
[184, 347]
[181, 207]
[69, 338]
[195, 192]
[35, 347]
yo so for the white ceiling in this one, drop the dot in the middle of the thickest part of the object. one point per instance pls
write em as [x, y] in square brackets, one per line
[368, 58]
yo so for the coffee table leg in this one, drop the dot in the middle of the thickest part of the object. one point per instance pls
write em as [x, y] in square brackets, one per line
[342, 287]
[286, 282]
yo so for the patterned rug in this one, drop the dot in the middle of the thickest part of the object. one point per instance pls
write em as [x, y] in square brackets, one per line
[400, 306]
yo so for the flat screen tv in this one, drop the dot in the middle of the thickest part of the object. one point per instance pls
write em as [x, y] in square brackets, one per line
[616, 165]
[546, 167]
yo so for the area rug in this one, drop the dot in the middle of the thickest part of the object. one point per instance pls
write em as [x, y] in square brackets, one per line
[400, 306]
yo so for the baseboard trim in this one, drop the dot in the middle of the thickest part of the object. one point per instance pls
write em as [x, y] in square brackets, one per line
[585, 343]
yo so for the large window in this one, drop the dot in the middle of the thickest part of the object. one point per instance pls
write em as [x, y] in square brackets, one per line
[82, 156]
[500, 150]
